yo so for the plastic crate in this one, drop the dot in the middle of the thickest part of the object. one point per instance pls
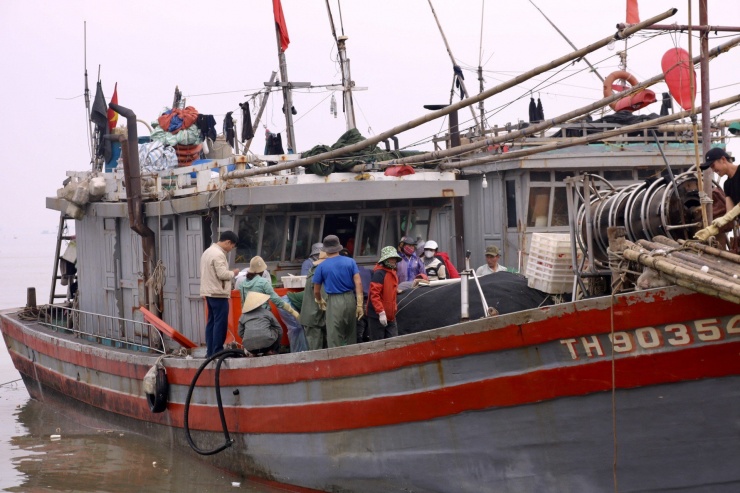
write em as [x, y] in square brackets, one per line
[550, 263]
[294, 281]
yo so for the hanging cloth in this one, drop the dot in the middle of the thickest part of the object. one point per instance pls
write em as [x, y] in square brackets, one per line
[666, 106]
[229, 129]
[540, 111]
[207, 126]
[532, 110]
[246, 122]
[458, 77]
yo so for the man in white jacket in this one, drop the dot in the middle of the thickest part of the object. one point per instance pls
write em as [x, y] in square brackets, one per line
[215, 286]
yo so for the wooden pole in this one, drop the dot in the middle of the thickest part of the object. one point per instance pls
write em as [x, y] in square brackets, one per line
[433, 115]
[256, 123]
[454, 64]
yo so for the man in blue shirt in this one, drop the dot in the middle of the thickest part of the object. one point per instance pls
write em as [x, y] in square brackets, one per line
[340, 277]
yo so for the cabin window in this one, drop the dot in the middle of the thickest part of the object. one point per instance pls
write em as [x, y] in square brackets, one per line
[344, 226]
[273, 233]
[370, 231]
[392, 230]
[418, 224]
[511, 203]
[248, 231]
[167, 223]
[303, 231]
[560, 207]
[618, 175]
[539, 203]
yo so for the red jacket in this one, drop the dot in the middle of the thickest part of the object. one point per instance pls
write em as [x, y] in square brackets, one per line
[383, 290]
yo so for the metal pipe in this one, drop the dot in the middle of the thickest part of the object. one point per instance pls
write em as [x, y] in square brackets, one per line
[464, 305]
[685, 27]
[706, 141]
[433, 115]
[132, 175]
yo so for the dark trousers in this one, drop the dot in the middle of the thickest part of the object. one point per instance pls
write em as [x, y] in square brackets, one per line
[377, 332]
[218, 320]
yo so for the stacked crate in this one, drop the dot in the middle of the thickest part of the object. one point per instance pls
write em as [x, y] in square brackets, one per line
[550, 263]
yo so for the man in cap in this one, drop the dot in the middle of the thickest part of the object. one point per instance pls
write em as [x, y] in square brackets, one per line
[309, 262]
[215, 287]
[339, 276]
[259, 329]
[410, 264]
[492, 265]
[313, 318]
[723, 164]
[381, 303]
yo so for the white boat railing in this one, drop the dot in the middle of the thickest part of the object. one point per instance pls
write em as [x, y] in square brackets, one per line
[104, 329]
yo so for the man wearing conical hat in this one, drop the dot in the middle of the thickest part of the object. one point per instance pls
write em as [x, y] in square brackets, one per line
[381, 303]
[259, 329]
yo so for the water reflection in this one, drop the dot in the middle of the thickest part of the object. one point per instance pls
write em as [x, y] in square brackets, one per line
[90, 458]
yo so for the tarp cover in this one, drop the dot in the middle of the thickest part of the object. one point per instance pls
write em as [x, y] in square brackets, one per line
[427, 308]
[344, 163]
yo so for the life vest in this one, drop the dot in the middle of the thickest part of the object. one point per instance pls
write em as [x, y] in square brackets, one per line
[452, 272]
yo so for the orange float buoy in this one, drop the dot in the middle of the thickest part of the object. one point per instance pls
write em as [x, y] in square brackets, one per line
[631, 103]
[676, 65]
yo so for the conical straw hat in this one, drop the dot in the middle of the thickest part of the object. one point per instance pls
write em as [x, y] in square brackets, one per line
[254, 300]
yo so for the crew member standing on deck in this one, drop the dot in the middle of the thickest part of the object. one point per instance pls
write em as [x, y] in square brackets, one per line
[492, 265]
[381, 304]
[313, 318]
[410, 265]
[215, 286]
[339, 277]
[723, 164]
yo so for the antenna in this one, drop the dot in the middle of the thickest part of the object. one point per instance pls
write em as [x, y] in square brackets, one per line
[87, 101]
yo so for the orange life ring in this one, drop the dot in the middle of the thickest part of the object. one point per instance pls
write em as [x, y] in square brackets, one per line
[609, 86]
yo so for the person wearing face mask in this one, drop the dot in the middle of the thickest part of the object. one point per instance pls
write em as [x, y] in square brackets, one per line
[381, 303]
[434, 266]
[410, 265]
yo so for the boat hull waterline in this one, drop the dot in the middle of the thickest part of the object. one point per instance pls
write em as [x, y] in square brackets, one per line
[520, 402]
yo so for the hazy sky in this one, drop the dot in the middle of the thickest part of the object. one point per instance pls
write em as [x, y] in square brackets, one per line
[219, 52]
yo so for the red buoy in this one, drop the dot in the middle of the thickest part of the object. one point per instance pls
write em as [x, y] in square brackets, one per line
[676, 65]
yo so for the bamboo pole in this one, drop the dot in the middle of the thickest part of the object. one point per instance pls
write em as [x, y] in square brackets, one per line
[542, 126]
[564, 143]
[432, 115]
[709, 261]
[723, 254]
[699, 288]
[679, 272]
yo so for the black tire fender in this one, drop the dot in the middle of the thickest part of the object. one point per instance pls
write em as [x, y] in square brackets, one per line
[158, 400]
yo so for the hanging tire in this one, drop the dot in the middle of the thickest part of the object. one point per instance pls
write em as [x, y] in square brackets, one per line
[158, 400]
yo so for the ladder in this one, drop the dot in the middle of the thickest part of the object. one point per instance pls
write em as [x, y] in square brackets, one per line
[56, 275]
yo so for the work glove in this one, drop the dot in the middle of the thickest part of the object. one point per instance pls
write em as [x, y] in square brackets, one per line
[293, 312]
[359, 312]
[322, 303]
[383, 319]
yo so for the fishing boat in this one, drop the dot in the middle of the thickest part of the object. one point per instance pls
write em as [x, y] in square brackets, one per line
[613, 386]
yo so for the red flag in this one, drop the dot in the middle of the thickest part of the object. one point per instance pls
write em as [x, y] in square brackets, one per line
[112, 115]
[633, 12]
[277, 8]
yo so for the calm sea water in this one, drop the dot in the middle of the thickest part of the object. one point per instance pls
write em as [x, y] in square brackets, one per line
[86, 457]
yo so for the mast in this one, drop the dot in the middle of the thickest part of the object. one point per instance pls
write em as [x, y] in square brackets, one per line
[349, 109]
[287, 94]
[452, 58]
[347, 84]
[481, 106]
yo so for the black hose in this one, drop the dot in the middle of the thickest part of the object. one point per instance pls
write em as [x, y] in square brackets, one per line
[228, 353]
